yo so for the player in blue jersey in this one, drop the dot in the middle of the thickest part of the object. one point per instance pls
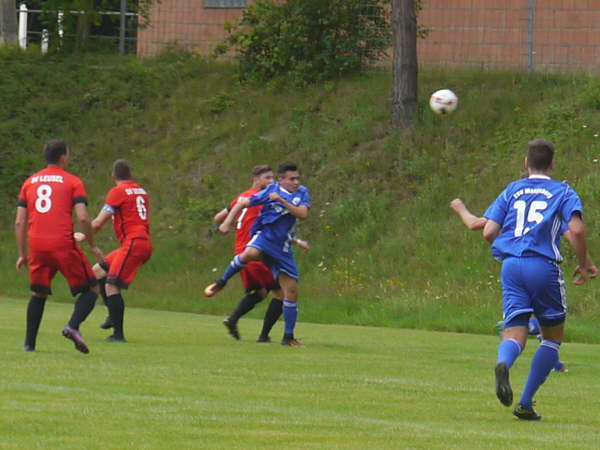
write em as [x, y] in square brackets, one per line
[284, 202]
[524, 225]
[475, 223]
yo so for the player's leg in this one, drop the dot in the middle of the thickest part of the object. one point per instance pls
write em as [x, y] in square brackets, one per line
[535, 329]
[547, 287]
[289, 287]
[100, 272]
[272, 314]
[40, 276]
[73, 264]
[245, 305]
[237, 263]
[116, 311]
[516, 312]
[122, 271]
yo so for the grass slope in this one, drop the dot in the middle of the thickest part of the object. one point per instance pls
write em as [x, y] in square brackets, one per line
[181, 382]
[386, 250]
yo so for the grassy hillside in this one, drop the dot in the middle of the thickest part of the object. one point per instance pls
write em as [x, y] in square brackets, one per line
[386, 249]
[181, 382]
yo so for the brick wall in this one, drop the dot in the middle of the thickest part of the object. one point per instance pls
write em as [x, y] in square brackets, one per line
[483, 33]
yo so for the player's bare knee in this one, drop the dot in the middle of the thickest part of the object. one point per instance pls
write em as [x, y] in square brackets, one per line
[99, 272]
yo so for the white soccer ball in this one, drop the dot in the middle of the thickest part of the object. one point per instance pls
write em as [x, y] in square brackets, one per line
[443, 101]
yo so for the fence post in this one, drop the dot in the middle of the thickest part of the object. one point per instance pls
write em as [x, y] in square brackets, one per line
[23, 26]
[530, 51]
[122, 27]
[45, 39]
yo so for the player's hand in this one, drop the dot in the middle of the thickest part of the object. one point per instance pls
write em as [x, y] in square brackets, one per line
[302, 244]
[224, 228]
[275, 197]
[22, 261]
[98, 254]
[590, 272]
[457, 204]
[79, 236]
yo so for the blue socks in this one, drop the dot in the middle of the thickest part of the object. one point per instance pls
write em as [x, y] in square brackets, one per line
[544, 359]
[234, 267]
[508, 351]
[290, 313]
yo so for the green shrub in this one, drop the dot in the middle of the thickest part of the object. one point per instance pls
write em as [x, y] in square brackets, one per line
[308, 40]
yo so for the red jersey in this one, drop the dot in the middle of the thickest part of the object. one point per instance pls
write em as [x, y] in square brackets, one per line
[49, 196]
[130, 206]
[244, 221]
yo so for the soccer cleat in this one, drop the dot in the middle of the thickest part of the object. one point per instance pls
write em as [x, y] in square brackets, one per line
[232, 328]
[213, 288]
[264, 340]
[113, 338]
[503, 389]
[291, 342]
[107, 324]
[73, 334]
[525, 413]
[29, 348]
[561, 368]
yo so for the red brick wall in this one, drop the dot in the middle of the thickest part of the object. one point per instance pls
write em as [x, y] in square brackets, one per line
[493, 33]
[187, 23]
[484, 33]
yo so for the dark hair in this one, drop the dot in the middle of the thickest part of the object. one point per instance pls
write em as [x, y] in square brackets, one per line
[257, 171]
[540, 154]
[121, 170]
[54, 149]
[286, 167]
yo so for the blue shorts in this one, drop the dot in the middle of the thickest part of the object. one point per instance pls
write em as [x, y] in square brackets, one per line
[278, 256]
[533, 285]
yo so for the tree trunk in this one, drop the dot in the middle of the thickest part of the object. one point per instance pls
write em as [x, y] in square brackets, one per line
[84, 25]
[404, 95]
[8, 22]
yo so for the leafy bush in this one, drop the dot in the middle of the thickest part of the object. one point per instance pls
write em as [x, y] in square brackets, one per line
[308, 40]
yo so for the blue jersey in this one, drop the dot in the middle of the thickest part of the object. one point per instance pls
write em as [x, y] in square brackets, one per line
[533, 213]
[274, 217]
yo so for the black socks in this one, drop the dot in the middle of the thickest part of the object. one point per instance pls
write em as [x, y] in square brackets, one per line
[116, 310]
[35, 310]
[272, 315]
[83, 307]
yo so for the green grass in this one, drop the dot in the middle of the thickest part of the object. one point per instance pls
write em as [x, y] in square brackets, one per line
[386, 249]
[182, 382]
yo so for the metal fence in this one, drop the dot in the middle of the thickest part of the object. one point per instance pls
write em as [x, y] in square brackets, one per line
[514, 34]
[116, 35]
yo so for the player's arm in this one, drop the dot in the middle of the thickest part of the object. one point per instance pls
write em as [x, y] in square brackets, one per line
[577, 239]
[85, 225]
[592, 269]
[300, 211]
[103, 216]
[491, 230]
[471, 221]
[21, 235]
[243, 202]
[301, 243]
[220, 216]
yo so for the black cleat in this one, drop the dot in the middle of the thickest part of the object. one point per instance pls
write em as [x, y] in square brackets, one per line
[107, 324]
[503, 389]
[73, 334]
[525, 413]
[212, 289]
[113, 338]
[29, 348]
[232, 328]
[264, 340]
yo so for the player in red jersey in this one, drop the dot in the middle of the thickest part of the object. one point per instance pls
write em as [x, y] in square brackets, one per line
[257, 278]
[44, 223]
[128, 205]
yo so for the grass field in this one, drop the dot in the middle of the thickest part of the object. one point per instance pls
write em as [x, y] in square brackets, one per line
[182, 382]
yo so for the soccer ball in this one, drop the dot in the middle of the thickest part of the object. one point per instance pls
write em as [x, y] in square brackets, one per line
[443, 101]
